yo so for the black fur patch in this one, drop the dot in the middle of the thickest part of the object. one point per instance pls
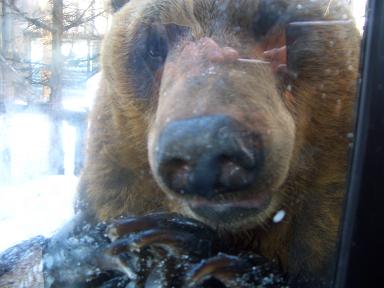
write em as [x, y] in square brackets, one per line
[269, 14]
[149, 52]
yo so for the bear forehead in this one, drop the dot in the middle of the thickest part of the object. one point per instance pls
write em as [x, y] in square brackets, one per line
[255, 16]
[212, 14]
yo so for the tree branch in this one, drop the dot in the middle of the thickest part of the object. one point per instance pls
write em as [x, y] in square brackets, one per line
[35, 21]
[80, 19]
[79, 22]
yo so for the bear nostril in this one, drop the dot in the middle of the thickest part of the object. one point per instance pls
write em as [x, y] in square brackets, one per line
[176, 174]
[234, 176]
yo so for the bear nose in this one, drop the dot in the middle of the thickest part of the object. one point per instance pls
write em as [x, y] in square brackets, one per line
[208, 155]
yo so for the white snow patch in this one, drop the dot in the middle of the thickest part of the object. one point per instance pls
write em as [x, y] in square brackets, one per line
[38, 207]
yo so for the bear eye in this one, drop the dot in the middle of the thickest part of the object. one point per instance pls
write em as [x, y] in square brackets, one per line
[156, 47]
[160, 39]
[269, 14]
[148, 52]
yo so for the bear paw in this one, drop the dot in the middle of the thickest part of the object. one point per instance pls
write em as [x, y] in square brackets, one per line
[169, 250]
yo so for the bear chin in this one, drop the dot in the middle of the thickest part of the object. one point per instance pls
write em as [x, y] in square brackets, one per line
[233, 215]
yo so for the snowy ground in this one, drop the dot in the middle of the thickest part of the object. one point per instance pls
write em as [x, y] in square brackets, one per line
[32, 203]
[38, 207]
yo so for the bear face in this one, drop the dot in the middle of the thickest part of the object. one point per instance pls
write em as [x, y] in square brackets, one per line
[226, 151]
[220, 112]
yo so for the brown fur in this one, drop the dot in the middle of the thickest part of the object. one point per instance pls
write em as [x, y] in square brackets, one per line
[307, 132]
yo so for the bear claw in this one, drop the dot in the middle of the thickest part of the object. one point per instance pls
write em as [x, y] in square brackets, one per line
[169, 250]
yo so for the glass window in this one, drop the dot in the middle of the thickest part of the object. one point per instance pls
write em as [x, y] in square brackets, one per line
[232, 121]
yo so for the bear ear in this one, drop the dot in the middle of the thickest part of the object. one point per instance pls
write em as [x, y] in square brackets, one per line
[117, 4]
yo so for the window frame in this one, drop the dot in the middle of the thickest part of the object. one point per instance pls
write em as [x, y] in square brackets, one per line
[362, 234]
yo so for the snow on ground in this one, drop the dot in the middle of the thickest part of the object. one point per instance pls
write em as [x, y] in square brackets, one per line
[32, 203]
[38, 207]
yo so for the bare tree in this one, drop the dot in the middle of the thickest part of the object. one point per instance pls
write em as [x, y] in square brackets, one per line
[56, 144]
[65, 16]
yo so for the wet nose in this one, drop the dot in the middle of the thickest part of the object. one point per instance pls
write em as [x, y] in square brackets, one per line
[208, 155]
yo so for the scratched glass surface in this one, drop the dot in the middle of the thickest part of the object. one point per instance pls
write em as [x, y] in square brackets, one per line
[233, 118]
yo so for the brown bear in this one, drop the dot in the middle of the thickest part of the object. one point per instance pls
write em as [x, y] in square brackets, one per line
[234, 113]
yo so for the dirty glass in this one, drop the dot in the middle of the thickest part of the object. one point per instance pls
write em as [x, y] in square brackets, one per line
[175, 143]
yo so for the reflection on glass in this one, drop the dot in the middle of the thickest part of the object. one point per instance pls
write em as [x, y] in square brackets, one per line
[236, 115]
